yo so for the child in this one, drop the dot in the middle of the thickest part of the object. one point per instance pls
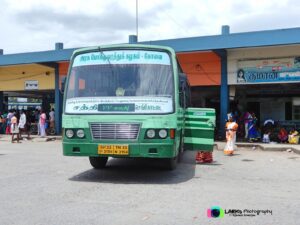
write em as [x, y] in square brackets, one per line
[266, 137]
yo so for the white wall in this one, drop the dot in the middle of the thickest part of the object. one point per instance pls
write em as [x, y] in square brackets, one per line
[271, 108]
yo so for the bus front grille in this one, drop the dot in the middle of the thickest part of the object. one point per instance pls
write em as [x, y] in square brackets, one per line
[115, 131]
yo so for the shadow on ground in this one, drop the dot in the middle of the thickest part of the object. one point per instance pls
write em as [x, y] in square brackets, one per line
[144, 171]
[214, 163]
[247, 160]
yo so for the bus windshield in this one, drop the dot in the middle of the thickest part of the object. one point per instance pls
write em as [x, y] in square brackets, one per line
[120, 81]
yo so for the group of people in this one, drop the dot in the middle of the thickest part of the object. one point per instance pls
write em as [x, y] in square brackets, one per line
[249, 129]
[16, 122]
[246, 126]
[291, 137]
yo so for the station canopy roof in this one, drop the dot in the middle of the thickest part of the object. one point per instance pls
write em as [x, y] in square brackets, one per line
[204, 43]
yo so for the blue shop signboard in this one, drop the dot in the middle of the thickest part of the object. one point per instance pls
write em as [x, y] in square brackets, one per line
[269, 71]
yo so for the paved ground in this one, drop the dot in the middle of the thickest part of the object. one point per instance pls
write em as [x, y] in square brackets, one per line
[40, 186]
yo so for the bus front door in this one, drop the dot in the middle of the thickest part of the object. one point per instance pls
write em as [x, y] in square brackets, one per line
[199, 129]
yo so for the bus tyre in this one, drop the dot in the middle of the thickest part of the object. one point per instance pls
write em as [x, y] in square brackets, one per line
[98, 162]
[170, 163]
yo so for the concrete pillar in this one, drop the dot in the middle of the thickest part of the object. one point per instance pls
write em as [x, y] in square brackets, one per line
[59, 46]
[58, 102]
[224, 98]
[133, 39]
[225, 30]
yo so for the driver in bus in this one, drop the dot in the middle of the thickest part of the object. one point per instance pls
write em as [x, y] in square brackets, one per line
[120, 91]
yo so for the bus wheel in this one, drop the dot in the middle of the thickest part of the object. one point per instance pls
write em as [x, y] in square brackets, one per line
[170, 163]
[98, 162]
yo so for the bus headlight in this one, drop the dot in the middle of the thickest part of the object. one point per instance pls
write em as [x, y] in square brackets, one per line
[80, 133]
[69, 133]
[150, 133]
[163, 133]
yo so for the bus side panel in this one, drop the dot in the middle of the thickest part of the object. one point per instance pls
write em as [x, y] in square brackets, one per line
[199, 129]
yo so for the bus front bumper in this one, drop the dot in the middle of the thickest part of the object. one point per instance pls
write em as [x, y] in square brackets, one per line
[145, 150]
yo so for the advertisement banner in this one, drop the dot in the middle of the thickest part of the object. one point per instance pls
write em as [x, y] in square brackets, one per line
[132, 105]
[269, 71]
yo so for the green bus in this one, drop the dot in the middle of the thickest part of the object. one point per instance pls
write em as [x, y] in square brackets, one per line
[131, 100]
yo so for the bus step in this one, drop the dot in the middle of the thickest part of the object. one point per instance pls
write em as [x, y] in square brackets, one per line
[152, 151]
[76, 149]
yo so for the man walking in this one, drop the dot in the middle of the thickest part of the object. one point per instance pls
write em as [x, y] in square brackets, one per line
[22, 122]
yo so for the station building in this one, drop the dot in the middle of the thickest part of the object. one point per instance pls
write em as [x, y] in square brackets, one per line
[256, 71]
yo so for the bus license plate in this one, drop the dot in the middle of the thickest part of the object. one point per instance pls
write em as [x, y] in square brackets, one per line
[113, 149]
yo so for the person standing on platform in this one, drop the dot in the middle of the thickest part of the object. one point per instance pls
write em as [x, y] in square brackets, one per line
[253, 132]
[37, 120]
[29, 120]
[8, 121]
[42, 122]
[52, 118]
[247, 118]
[22, 122]
[231, 128]
[14, 129]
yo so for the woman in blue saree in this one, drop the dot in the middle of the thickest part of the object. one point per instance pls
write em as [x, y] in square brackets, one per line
[253, 132]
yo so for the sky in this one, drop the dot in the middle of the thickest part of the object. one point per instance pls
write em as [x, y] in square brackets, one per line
[36, 25]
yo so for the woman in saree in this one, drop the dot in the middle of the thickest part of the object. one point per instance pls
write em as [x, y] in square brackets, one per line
[253, 133]
[231, 128]
[282, 135]
[293, 136]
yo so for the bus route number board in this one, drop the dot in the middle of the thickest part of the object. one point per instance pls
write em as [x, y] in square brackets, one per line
[113, 149]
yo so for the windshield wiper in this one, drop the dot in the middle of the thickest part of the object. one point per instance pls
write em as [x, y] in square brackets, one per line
[107, 58]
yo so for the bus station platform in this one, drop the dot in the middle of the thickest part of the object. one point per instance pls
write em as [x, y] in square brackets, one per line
[273, 146]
